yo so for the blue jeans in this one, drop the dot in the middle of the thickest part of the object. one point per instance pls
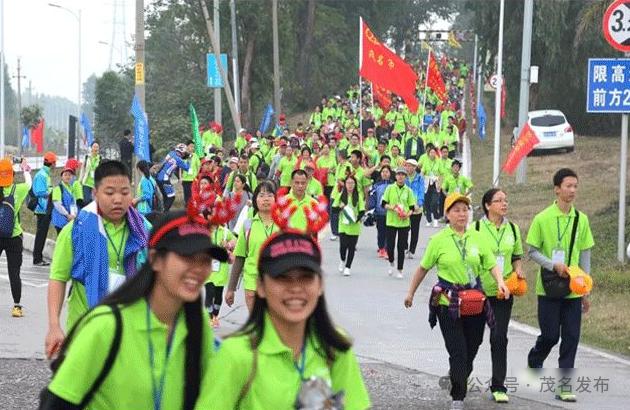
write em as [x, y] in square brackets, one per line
[381, 232]
[557, 317]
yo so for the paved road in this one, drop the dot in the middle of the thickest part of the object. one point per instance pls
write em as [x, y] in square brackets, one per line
[402, 359]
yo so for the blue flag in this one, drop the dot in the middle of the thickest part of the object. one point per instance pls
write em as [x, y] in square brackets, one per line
[87, 129]
[26, 138]
[266, 119]
[481, 121]
[141, 130]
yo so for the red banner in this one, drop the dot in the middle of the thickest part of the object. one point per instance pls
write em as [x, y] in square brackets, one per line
[383, 67]
[37, 136]
[382, 96]
[523, 146]
[434, 78]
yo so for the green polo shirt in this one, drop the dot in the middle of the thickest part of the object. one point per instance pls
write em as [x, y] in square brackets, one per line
[329, 163]
[445, 250]
[56, 191]
[128, 384]
[552, 227]
[314, 188]
[286, 167]
[461, 184]
[446, 165]
[276, 382]
[193, 170]
[219, 275]
[61, 267]
[430, 167]
[90, 166]
[345, 224]
[298, 219]
[250, 239]
[502, 242]
[20, 194]
[398, 195]
[77, 190]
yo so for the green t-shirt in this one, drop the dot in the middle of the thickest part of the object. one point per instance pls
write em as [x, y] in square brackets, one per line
[398, 195]
[276, 382]
[128, 384]
[61, 267]
[20, 194]
[194, 165]
[251, 178]
[286, 167]
[459, 259]
[90, 166]
[219, 275]
[77, 190]
[250, 239]
[314, 188]
[461, 184]
[330, 163]
[551, 228]
[298, 219]
[347, 225]
[502, 243]
[430, 167]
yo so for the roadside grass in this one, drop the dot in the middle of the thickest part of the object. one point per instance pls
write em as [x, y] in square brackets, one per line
[596, 161]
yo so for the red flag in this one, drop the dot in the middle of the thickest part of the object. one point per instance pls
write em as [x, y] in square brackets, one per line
[382, 96]
[37, 136]
[381, 66]
[503, 98]
[523, 146]
[434, 78]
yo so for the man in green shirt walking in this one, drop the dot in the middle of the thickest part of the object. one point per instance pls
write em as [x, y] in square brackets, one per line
[559, 236]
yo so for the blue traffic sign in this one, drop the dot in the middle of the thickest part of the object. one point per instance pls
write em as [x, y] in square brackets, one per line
[608, 85]
[214, 76]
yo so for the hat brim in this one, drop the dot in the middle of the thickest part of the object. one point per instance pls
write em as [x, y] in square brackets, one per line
[463, 199]
[193, 245]
[281, 266]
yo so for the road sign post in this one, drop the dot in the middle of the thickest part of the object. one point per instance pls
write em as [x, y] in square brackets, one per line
[616, 29]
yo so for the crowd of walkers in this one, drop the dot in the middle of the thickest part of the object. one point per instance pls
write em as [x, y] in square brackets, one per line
[144, 285]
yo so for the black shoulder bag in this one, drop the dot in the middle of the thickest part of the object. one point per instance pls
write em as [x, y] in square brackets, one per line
[555, 285]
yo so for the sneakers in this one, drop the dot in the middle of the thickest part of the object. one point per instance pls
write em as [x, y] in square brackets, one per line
[17, 311]
[500, 397]
[215, 322]
[333, 237]
[566, 396]
[457, 405]
[342, 265]
[41, 263]
[390, 271]
[399, 275]
[382, 253]
[346, 272]
[428, 224]
[436, 224]
[410, 255]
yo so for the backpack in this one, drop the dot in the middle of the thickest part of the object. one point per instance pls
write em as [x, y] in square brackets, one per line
[49, 401]
[31, 203]
[7, 214]
[262, 171]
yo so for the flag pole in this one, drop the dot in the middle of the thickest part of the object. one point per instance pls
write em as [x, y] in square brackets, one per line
[426, 82]
[360, 81]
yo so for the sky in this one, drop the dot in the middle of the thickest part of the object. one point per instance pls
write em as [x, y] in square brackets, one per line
[46, 41]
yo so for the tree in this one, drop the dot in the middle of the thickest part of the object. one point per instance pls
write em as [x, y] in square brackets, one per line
[11, 115]
[89, 96]
[111, 109]
[31, 115]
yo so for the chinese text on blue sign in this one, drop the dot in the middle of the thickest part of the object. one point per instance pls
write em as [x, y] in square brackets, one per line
[214, 76]
[608, 85]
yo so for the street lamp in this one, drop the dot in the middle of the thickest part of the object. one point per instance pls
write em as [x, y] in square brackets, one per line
[76, 15]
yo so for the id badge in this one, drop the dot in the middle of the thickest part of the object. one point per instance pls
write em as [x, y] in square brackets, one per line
[471, 277]
[500, 262]
[557, 256]
[216, 265]
[115, 280]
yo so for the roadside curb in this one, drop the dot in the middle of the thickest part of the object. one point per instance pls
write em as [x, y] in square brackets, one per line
[28, 242]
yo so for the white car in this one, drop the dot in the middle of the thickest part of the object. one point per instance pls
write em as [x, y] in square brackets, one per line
[552, 129]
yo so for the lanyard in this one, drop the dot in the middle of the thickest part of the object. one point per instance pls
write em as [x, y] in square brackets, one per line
[462, 250]
[158, 388]
[565, 228]
[399, 192]
[498, 241]
[268, 230]
[302, 365]
[118, 250]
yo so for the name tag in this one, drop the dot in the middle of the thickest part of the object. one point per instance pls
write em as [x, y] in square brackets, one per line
[216, 265]
[500, 262]
[557, 256]
[115, 280]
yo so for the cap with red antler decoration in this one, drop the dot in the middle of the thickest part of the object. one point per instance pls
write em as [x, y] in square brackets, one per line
[316, 213]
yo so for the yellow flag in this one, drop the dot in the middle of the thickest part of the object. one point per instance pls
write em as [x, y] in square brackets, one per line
[452, 41]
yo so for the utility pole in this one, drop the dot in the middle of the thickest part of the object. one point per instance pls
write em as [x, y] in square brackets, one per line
[497, 100]
[237, 94]
[523, 100]
[19, 77]
[218, 114]
[139, 88]
[276, 59]
[30, 92]
[2, 123]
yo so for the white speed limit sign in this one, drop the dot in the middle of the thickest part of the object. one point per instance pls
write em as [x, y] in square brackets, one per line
[616, 25]
[494, 80]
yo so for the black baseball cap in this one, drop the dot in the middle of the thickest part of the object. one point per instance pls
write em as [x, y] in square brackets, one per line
[288, 250]
[177, 232]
